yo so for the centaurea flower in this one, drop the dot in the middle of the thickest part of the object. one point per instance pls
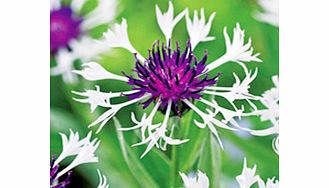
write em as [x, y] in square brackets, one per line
[69, 38]
[82, 149]
[173, 80]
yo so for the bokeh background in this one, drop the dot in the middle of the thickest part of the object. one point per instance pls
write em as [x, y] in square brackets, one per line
[201, 152]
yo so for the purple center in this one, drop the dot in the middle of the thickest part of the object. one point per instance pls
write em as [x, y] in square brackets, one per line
[170, 76]
[54, 183]
[64, 26]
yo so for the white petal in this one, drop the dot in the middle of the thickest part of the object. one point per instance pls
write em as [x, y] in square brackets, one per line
[236, 50]
[198, 30]
[166, 20]
[93, 71]
[85, 155]
[71, 146]
[117, 37]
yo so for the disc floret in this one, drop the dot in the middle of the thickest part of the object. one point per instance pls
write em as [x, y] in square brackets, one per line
[170, 75]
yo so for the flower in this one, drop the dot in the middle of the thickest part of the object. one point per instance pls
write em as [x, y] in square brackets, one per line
[69, 39]
[248, 178]
[82, 149]
[171, 80]
[102, 180]
[270, 99]
[199, 180]
[270, 13]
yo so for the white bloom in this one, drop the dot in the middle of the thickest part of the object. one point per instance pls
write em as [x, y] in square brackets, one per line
[71, 146]
[93, 71]
[102, 180]
[85, 155]
[166, 20]
[270, 13]
[199, 180]
[248, 177]
[65, 61]
[198, 30]
[236, 50]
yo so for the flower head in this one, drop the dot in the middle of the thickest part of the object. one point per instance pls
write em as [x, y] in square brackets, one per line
[170, 81]
[69, 40]
[64, 26]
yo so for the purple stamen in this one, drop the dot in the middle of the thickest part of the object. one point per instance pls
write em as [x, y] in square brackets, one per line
[170, 76]
[64, 27]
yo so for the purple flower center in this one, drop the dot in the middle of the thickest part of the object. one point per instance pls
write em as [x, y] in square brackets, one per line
[170, 76]
[64, 27]
[55, 183]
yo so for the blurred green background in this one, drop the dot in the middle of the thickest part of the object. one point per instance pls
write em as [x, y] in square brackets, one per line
[159, 169]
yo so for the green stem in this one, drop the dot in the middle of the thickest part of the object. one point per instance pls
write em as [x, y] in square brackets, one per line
[174, 175]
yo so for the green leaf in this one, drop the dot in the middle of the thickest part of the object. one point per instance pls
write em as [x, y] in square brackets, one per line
[209, 162]
[191, 149]
[133, 162]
